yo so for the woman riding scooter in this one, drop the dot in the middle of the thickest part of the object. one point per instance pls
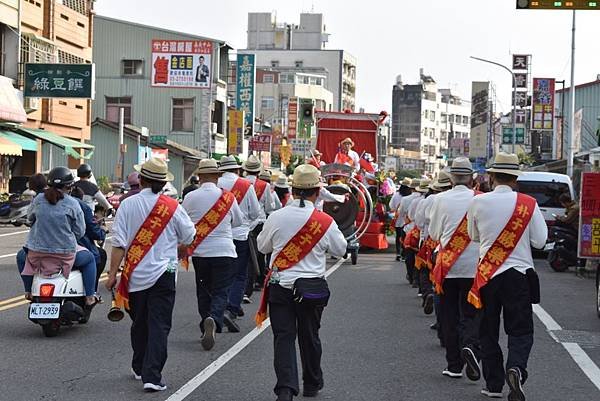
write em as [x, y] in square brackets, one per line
[51, 246]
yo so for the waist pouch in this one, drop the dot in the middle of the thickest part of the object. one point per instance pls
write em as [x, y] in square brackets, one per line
[534, 286]
[311, 291]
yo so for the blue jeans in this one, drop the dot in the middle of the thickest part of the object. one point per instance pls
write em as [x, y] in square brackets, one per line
[84, 262]
[235, 294]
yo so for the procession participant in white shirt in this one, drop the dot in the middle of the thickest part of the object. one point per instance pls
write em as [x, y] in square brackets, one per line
[267, 177]
[403, 190]
[215, 212]
[299, 236]
[246, 198]
[256, 274]
[146, 232]
[346, 155]
[282, 190]
[407, 225]
[454, 272]
[413, 236]
[506, 224]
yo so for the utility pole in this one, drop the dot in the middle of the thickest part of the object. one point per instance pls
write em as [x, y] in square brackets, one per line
[121, 146]
[571, 149]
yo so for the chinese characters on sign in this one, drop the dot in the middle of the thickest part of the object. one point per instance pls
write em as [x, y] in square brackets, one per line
[246, 69]
[507, 135]
[292, 117]
[302, 146]
[589, 226]
[543, 104]
[235, 139]
[520, 62]
[261, 143]
[181, 63]
[479, 119]
[59, 80]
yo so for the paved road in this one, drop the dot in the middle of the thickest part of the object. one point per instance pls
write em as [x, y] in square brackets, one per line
[377, 346]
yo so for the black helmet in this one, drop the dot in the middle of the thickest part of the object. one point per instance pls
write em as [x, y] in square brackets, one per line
[60, 177]
[194, 180]
[84, 171]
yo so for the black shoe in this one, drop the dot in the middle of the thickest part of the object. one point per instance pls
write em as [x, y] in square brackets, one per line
[514, 380]
[228, 321]
[473, 370]
[285, 394]
[240, 313]
[312, 392]
[434, 326]
[397, 258]
[428, 304]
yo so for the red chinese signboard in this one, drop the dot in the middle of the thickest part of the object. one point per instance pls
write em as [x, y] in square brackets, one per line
[261, 143]
[292, 117]
[589, 222]
[543, 104]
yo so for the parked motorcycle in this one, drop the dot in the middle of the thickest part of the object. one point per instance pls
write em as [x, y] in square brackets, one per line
[562, 249]
[58, 301]
[14, 210]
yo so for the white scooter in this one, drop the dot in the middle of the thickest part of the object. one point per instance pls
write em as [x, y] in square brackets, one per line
[58, 301]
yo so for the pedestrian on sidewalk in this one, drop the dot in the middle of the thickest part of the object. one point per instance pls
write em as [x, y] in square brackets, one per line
[245, 196]
[146, 232]
[215, 212]
[298, 236]
[453, 275]
[506, 224]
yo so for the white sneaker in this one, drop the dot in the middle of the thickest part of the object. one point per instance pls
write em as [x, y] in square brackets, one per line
[135, 375]
[208, 338]
[454, 375]
[155, 387]
[246, 299]
[491, 394]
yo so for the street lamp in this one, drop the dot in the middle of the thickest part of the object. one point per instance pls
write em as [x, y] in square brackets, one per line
[514, 106]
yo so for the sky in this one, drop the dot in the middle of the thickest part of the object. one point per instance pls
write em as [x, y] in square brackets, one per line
[397, 37]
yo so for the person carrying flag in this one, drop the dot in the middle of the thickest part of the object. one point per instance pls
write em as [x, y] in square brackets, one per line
[346, 155]
[146, 232]
[298, 236]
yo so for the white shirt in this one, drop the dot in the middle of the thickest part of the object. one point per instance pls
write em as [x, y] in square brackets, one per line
[355, 159]
[403, 210]
[265, 201]
[275, 199]
[447, 211]
[488, 216]
[219, 243]
[422, 215]
[280, 228]
[395, 201]
[326, 196]
[249, 206]
[410, 210]
[130, 216]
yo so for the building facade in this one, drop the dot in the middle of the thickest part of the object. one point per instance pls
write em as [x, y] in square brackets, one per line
[301, 48]
[128, 77]
[428, 120]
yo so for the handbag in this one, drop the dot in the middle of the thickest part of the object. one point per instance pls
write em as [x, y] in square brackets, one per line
[534, 286]
[311, 291]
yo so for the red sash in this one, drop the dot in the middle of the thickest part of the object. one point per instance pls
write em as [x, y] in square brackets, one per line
[144, 240]
[448, 255]
[239, 189]
[423, 258]
[207, 223]
[293, 252]
[502, 247]
[260, 187]
[411, 241]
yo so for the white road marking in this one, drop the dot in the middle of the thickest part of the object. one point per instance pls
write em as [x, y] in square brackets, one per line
[581, 358]
[8, 255]
[189, 387]
[14, 233]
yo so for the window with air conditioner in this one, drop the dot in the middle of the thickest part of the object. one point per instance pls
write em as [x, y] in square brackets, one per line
[132, 68]
[114, 104]
[182, 115]
[298, 63]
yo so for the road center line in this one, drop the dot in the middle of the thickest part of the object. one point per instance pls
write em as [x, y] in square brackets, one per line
[189, 387]
[581, 358]
[14, 233]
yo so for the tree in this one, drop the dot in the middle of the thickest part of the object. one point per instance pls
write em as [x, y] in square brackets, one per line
[525, 158]
[402, 173]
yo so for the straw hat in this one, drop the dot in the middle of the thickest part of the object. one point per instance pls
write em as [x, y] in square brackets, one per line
[414, 183]
[423, 186]
[317, 153]
[207, 166]
[442, 181]
[154, 169]
[461, 166]
[228, 163]
[252, 165]
[347, 140]
[505, 163]
[282, 182]
[306, 176]
[405, 181]
[265, 175]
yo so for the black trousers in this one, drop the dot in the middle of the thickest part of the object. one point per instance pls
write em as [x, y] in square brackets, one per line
[399, 238]
[255, 277]
[213, 277]
[289, 319]
[410, 264]
[151, 311]
[460, 321]
[425, 284]
[507, 293]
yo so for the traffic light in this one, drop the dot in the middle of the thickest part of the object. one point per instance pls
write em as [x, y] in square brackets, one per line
[558, 5]
[307, 112]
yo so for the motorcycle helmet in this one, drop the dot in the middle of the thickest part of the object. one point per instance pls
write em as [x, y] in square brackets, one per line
[84, 171]
[60, 177]
[133, 179]
[194, 180]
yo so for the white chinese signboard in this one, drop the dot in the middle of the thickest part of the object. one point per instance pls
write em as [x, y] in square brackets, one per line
[181, 63]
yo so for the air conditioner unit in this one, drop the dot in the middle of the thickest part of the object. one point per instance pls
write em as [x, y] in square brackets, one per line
[213, 128]
[32, 104]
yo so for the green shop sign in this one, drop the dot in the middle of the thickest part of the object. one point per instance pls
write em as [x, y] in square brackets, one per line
[60, 80]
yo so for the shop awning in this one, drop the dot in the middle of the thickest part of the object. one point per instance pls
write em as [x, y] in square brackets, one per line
[67, 144]
[11, 107]
[24, 142]
[8, 148]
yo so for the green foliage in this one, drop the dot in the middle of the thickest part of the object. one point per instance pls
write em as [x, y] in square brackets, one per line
[525, 159]
[295, 161]
[104, 184]
[402, 173]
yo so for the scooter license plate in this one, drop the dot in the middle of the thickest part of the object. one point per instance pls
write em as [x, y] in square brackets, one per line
[549, 246]
[44, 311]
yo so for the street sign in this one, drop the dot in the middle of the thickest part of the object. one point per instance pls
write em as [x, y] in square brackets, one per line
[246, 74]
[558, 5]
[235, 132]
[507, 136]
[158, 139]
[589, 222]
[59, 80]
[292, 117]
[520, 62]
[543, 104]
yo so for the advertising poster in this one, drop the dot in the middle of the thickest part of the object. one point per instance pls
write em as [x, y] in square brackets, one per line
[246, 73]
[589, 221]
[235, 133]
[181, 64]
[292, 117]
[543, 104]
[479, 119]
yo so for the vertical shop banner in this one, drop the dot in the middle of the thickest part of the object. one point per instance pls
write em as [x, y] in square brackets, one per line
[235, 132]
[578, 119]
[543, 104]
[292, 117]
[181, 63]
[246, 73]
[589, 222]
[479, 119]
